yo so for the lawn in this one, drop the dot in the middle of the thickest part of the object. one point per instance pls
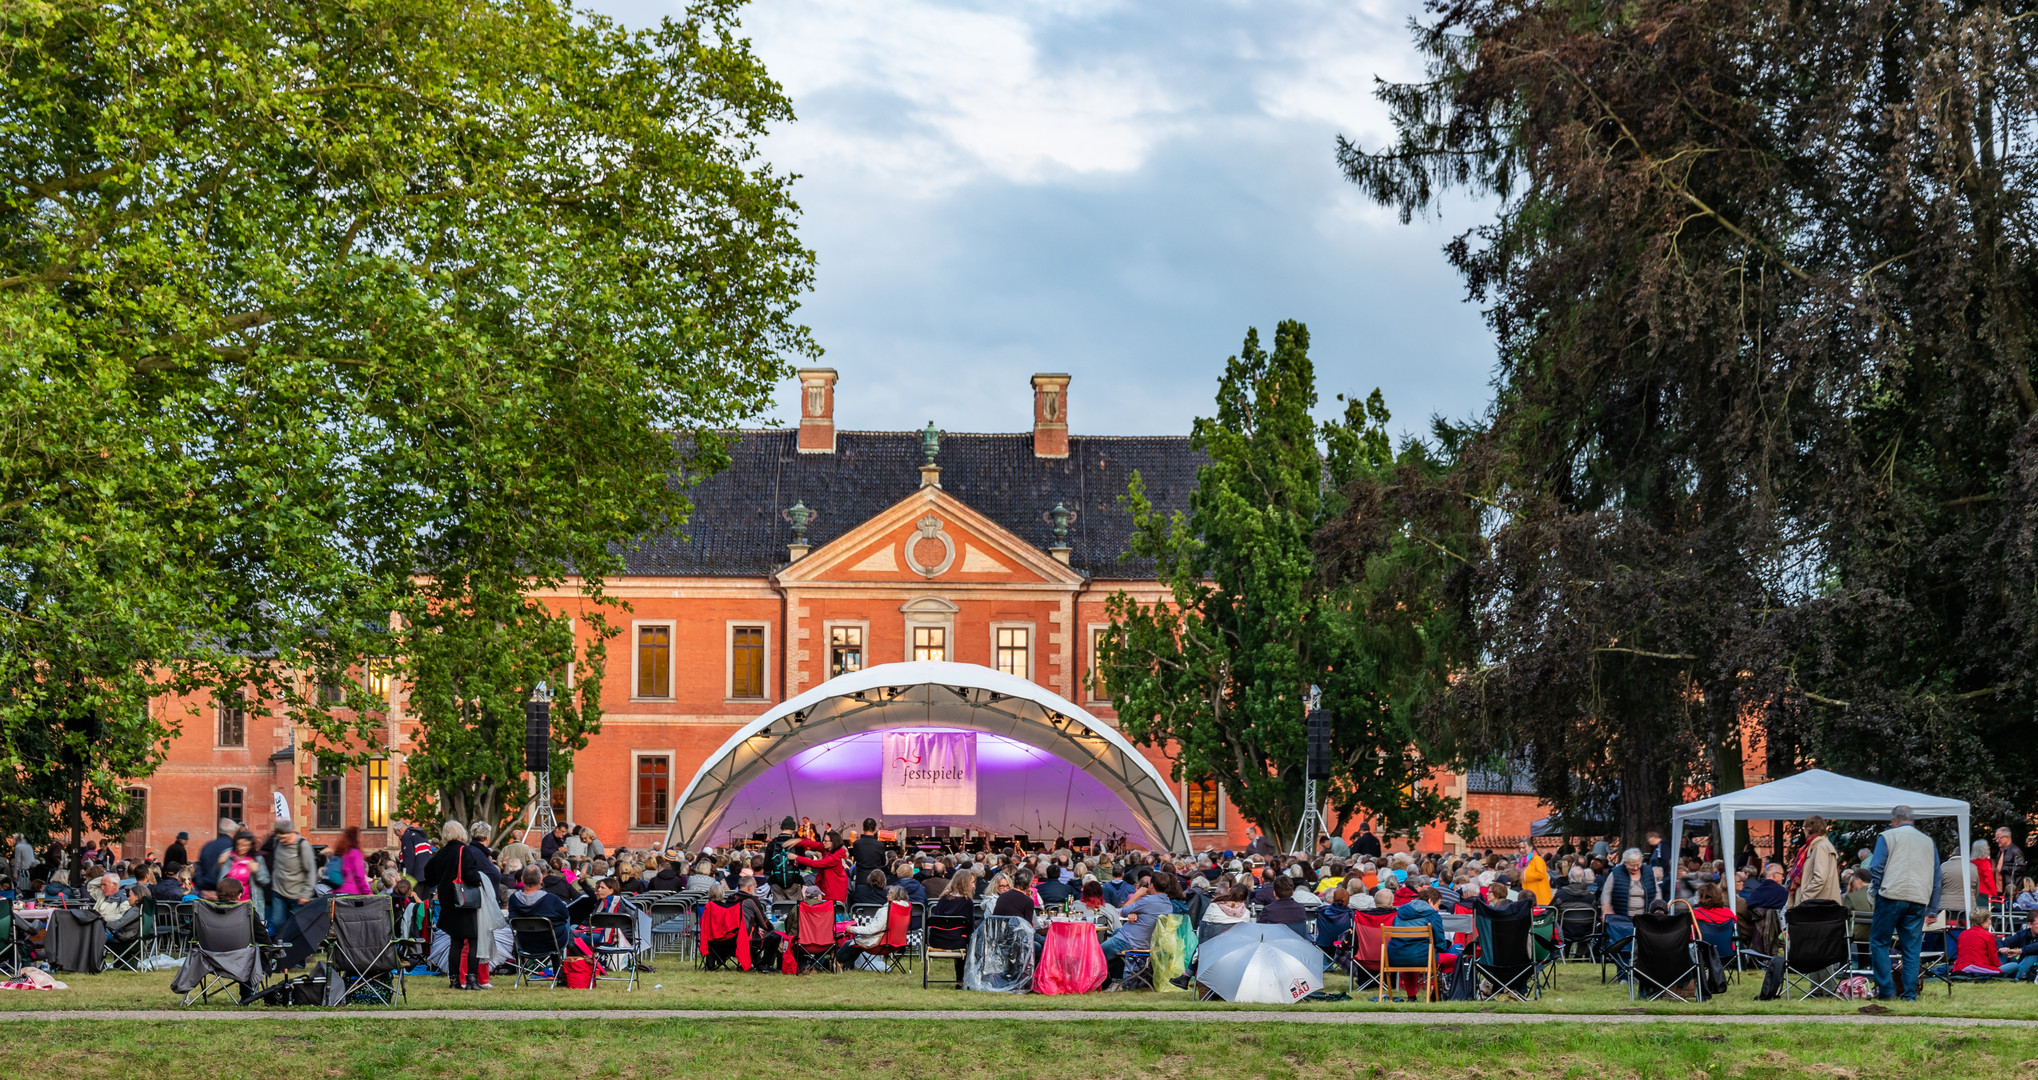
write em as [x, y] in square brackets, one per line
[677, 985]
[1089, 1049]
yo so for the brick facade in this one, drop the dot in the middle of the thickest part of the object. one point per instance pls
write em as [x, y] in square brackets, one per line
[741, 613]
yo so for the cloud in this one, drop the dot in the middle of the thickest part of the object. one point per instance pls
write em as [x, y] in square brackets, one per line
[1114, 190]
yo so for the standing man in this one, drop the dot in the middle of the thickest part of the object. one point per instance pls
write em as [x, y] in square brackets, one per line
[415, 849]
[24, 862]
[176, 855]
[1659, 854]
[1367, 845]
[867, 850]
[293, 877]
[205, 872]
[1904, 874]
[2009, 865]
[780, 872]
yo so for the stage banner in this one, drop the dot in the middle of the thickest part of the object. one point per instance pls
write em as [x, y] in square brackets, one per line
[930, 774]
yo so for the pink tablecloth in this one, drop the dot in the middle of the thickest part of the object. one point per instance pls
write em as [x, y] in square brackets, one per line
[1071, 962]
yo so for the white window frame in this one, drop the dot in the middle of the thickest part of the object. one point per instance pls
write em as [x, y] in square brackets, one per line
[671, 657]
[1032, 643]
[729, 628]
[316, 801]
[1090, 631]
[672, 789]
[828, 643]
[1223, 809]
[929, 611]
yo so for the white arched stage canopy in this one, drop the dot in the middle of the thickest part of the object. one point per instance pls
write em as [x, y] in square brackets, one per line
[1045, 768]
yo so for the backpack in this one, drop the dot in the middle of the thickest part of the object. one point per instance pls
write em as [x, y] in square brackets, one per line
[333, 874]
[779, 868]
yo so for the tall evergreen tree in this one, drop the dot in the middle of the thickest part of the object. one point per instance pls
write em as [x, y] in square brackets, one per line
[1223, 668]
[1762, 279]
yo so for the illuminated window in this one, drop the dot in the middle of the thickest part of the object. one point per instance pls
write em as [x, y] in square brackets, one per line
[233, 720]
[1098, 692]
[233, 804]
[332, 793]
[375, 812]
[746, 662]
[654, 661]
[654, 785]
[845, 650]
[559, 789]
[1012, 646]
[1202, 808]
[930, 643]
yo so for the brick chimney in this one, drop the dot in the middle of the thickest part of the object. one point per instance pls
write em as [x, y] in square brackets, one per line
[1051, 416]
[817, 410]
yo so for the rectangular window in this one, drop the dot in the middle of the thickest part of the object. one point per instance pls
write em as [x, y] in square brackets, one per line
[231, 804]
[1202, 808]
[233, 720]
[1098, 692]
[845, 650]
[375, 807]
[560, 787]
[332, 788]
[654, 661]
[654, 776]
[746, 662]
[1012, 647]
[930, 643]
[137, 840]
[331, 693]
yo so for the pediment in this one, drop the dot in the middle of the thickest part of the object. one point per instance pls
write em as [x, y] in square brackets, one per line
[930, 537]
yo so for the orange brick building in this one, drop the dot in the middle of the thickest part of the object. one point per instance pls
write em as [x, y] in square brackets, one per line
[816, 552]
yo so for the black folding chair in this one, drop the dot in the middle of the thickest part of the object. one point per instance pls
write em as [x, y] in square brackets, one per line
[365, 951]
[1664, 958]
[1506, 960]
[225, 952]
[1815, 949]
[534, 947]
[623, 953]
[1579, 928]
[955, 929]
[76, 940]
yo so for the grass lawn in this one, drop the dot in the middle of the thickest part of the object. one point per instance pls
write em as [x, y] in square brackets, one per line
[1089, 1049]
[677, 985]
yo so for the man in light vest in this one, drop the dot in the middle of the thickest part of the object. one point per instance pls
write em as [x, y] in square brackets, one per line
[1904, 874]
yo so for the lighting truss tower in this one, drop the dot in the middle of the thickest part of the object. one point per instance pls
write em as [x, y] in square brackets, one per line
[538, 759]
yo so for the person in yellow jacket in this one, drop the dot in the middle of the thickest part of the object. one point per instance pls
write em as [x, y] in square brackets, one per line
[1535, 875]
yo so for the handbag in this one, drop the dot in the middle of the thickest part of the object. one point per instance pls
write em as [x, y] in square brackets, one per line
[465, 897]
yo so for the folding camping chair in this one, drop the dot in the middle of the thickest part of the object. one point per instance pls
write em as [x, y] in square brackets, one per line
[1427, 969]
[534, 947]
[363, 948]
[127, 950]
[722, 931]
[614, 956]
[1578, 928]
[1725, 939]
[1663, 957]
[224, 953]
[1815, 949]
[894, 950]
[814, 937]
[1543, 943]
[10, 945]
[1366, 952]
[1504, 957]
[75, 940]
[951, 928]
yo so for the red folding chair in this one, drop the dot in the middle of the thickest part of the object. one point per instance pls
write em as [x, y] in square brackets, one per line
[724, 924]
[893, 949]
[814, 936]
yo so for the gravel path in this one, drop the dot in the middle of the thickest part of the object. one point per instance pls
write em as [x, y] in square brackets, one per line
[1440, 1020]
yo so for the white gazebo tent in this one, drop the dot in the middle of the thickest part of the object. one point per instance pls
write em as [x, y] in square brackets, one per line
[1816, 791]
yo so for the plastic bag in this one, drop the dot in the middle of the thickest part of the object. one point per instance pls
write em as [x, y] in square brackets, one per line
[1000, 956]
[1070, 965]
[1167, 960]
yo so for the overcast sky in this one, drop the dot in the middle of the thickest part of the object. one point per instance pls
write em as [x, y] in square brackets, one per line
[1114, 190]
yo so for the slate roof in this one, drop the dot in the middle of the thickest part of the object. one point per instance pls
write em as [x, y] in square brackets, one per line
[737, 530]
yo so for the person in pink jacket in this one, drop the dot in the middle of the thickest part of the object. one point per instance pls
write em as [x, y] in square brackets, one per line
[353, 865]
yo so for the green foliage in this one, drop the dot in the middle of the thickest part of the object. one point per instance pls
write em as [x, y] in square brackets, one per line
[382, 315]
[1223, 668]
[1762, 276]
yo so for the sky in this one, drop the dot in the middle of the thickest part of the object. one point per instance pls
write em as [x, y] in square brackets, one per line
[1112, 190]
